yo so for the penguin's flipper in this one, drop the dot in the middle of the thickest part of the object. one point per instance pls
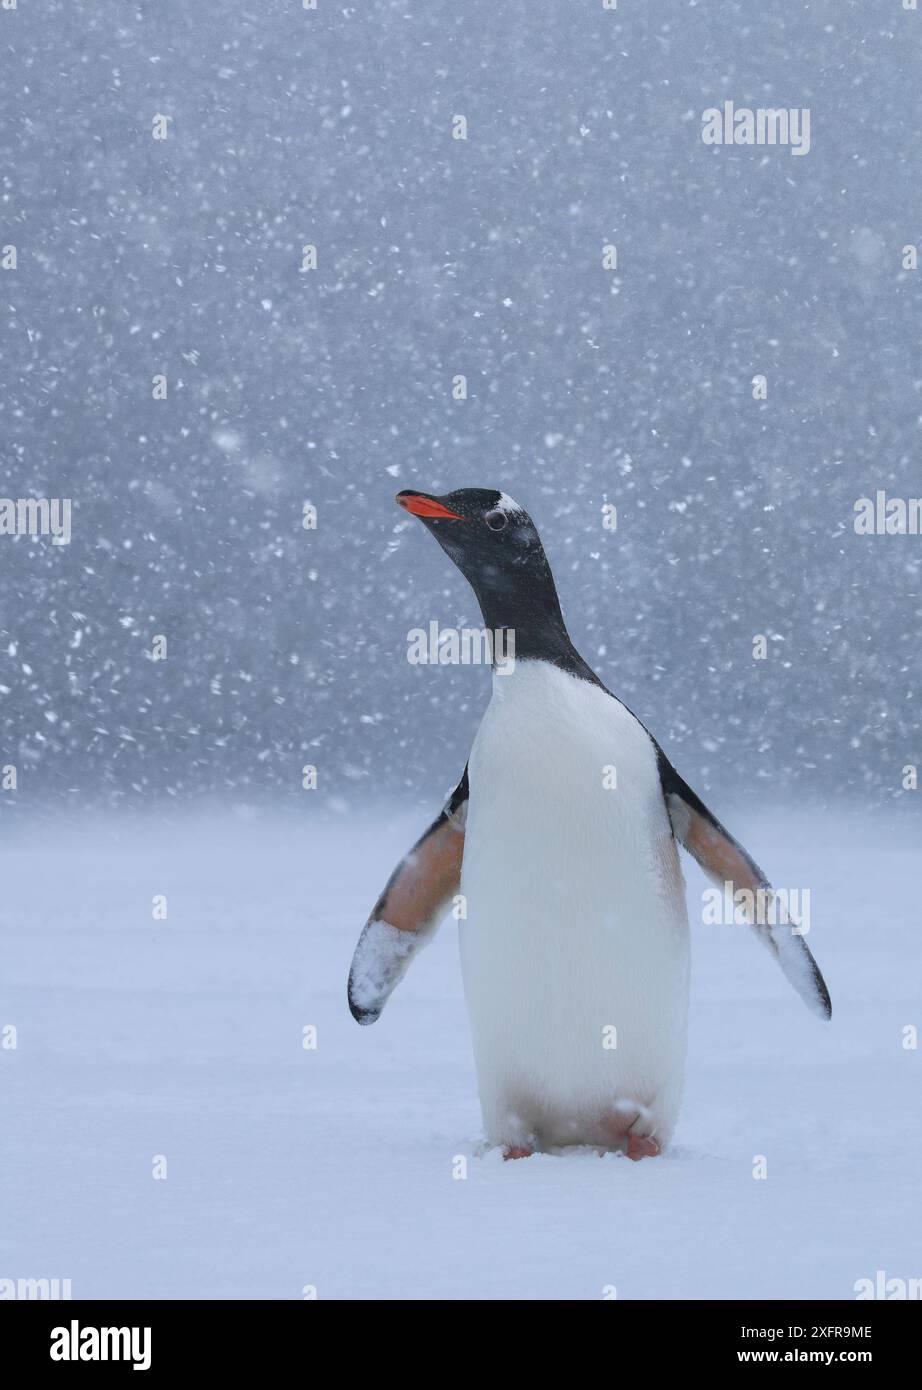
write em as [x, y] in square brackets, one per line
[409, 910]
[726, 862]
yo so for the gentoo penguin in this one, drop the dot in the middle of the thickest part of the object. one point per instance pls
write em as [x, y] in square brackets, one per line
[561, 838]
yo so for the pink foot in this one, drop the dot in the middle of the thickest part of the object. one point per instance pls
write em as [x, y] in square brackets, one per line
[516, 1151]
[638, 1147]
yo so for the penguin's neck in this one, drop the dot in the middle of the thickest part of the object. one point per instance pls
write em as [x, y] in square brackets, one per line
[527, 623]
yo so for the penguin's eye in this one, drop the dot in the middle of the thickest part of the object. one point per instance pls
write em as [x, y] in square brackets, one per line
[497, 521]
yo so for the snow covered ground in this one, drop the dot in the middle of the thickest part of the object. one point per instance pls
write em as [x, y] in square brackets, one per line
[333, 1167]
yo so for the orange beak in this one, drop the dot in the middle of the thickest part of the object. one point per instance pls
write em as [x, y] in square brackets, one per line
[418, 505]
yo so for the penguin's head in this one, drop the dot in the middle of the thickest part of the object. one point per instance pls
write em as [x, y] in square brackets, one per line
[496, 546]
[491, 539]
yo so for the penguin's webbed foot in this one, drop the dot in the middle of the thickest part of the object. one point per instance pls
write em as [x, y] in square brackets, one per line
[640, 1146]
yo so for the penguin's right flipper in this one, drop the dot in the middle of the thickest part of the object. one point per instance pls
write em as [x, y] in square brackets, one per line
[406, 915]
[726, 862]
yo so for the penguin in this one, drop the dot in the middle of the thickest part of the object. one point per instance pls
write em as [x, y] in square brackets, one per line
[562, 839]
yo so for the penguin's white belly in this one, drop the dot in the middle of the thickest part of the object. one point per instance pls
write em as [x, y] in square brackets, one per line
[575, 946]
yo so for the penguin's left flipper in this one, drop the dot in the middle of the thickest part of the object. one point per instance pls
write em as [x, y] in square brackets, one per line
[406, 915]
[726, 862]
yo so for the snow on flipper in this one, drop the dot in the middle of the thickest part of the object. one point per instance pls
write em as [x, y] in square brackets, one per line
[726, 862]
[406, 915]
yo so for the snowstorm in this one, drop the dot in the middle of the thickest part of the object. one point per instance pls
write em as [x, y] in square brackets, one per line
[648, 271]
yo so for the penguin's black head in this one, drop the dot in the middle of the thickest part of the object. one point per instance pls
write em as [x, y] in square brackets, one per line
[496, 546]
[491, 539]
